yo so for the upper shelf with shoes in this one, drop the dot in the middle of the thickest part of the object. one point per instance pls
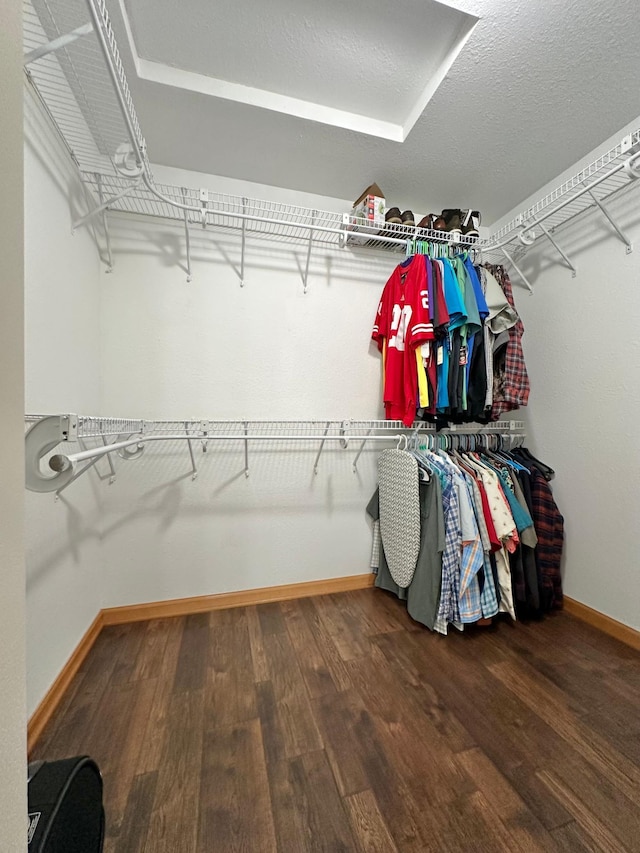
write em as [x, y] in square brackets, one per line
[399, 230]
[373, 224]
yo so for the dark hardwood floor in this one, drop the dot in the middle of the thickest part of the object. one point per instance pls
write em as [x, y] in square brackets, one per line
[337, 724]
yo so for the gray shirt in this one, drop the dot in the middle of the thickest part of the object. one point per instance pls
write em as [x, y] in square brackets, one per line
[423, 593]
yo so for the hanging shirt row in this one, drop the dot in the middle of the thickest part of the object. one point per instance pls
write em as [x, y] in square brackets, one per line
[464, 536]
[450, 338]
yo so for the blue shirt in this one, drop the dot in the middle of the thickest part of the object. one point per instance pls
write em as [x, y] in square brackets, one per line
[453, 296]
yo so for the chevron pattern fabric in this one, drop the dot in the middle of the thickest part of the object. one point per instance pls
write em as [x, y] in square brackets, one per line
[399, 513]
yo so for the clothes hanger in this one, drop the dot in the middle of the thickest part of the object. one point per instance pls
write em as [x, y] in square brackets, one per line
[507, 456]
[423, 464]
[547, 472]
[444, 449]
[462, 463]
[495, 456]
[509, 460]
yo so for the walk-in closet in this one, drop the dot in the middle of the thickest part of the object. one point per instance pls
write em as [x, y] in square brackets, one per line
[321, 481]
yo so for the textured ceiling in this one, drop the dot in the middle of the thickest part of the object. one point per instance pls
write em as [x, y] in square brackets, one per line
[325, 55]
[537, 85]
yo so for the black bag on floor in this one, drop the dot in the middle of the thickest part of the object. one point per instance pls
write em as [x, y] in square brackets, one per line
[66, 814]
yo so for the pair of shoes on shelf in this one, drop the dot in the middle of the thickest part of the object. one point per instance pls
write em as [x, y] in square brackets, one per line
[432, 222]
[394, 217]
[470, 223]
[465, 222]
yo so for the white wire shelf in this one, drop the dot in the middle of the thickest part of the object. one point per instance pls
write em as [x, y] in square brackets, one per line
[51, 440]
[218, 210]
[259, 217]
[81, 427]
[394, 236]
[94, 113]
[569, 199]
[72, 58]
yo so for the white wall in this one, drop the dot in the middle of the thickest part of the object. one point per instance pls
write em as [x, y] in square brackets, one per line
[62, 322]
[211, 349]
[142, 342]
[12, 618]
[583, 353]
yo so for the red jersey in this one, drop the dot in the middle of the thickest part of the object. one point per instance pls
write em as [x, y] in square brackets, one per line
[402, 323]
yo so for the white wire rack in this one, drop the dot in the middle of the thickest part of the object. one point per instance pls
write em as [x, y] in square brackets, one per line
[360, 232]
[87, 98]
[590, 189]
[257, 216]
[573, 196]
[74, 428]
[51, 440]
[72, 58]
[220, 210]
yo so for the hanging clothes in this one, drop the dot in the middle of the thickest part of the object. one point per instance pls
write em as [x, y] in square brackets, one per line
[402, 323]
[457, 317]
[490, 538]
[549, 525]
[451, 341]
[502, 317]
[511, 380]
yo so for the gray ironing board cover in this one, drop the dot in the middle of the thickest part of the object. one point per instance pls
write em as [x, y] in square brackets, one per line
[399, 513]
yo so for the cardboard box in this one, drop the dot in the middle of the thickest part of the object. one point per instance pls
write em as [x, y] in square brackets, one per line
[370, 208]
[370, 205]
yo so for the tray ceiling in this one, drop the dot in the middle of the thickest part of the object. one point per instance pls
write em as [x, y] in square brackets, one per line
[370, 69]
[534, 86]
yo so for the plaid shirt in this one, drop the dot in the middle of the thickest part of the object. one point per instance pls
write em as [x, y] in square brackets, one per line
[448, 609]
[472, 562]
[511, 389]
[549, 526]
[488, 597]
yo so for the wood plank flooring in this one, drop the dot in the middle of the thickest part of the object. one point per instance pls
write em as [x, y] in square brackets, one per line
[337, 724]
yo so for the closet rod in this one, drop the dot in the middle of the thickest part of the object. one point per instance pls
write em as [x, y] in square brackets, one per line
[61, 461]
[44, 437]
